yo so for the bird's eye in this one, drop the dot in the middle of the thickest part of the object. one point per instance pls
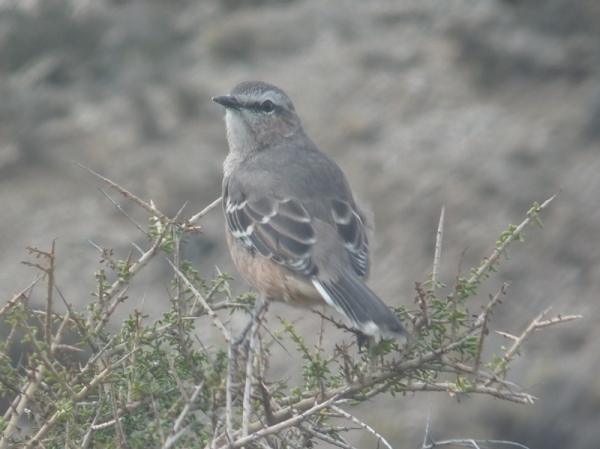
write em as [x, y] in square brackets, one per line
[267, 107]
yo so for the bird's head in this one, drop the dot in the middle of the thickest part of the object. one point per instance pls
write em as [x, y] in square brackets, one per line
[258, 115]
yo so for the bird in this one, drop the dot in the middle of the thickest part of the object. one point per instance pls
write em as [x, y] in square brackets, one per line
[295, 230]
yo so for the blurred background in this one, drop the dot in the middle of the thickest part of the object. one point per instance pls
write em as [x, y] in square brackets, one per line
[480, 106]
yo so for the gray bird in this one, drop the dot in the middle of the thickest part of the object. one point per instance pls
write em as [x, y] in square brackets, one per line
[294, 229]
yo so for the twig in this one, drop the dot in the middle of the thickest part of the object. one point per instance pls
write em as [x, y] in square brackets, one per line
[208, 298]
[215, 319]
[118, 425]
[180, 306]
[518, 341]
[121, 281]
[150, 208]
[472, 443]
[87, 438]
[429, 443]
[231, 361]
[258, 310]
[23, 294]
[247, 402]
[426, 437]
[500, 249]
[51, 256]
[157, 420]
[557, 320]
[363, 425]
[451, 366]
[326, 438]
[438, 250]
[36, 374]
[178, 429]
[483, 320]
[293, 421]
[192, 221]
[21, 402]
[118, 206]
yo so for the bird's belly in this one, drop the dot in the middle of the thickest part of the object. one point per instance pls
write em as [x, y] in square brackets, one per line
[273, 282]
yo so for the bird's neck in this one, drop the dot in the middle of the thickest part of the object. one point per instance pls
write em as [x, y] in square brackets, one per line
[233, 160]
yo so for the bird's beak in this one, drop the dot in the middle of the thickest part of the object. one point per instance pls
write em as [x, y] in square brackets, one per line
[228, 101]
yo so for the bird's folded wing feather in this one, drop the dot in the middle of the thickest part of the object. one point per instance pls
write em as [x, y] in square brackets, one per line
[279, 229]
[282, 230]
[351, 229]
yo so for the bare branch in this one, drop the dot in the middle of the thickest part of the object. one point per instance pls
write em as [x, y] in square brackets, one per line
[231, 361]
[518, 341]
[472, 443]
[23, 294]
[482, 321]
[363, 425]
[216, 321]
[130, 196]
[247, 403]
[326, 438]
[120, 209]
[178, 429]
[293, 421]
[192, 221]
[438, 250]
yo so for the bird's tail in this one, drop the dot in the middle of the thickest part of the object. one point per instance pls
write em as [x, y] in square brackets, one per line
[361, 306]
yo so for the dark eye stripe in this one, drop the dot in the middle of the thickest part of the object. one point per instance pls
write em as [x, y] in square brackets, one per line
[258, 106]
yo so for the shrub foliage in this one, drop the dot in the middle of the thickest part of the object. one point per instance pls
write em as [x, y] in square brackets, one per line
[80, 380]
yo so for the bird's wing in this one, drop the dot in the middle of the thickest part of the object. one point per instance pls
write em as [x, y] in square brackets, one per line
[351, 229]
[280, 229]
